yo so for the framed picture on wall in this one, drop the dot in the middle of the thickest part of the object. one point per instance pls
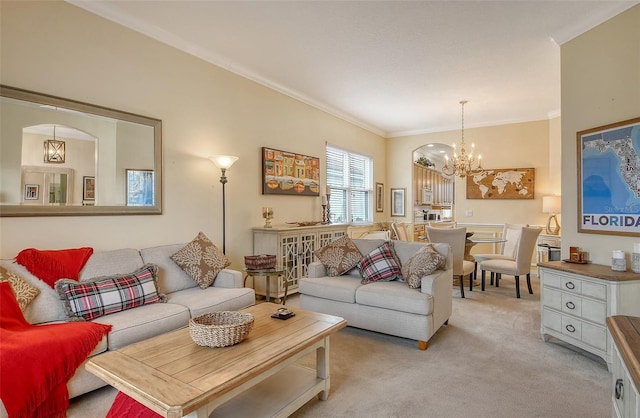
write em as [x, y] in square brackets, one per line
[140, 187]
[31, 191]
[608, 179]
[289, 173]
[88, 188]
[379, 197]
[398, 202]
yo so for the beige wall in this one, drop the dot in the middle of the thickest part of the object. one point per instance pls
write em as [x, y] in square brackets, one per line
[518, 145]
[59, 49]
[600, 85]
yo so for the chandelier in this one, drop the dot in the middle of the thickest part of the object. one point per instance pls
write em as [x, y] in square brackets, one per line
[461, 164]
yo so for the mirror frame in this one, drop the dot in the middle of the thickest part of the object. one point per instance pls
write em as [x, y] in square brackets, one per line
[45, 210]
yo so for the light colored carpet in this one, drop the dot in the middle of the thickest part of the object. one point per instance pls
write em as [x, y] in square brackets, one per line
[490, 361]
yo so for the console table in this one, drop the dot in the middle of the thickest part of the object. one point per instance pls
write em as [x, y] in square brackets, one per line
[576, 299]
[294, 248]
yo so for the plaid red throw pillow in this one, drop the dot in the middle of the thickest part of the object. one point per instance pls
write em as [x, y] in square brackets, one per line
[379, 265]
[105, 295]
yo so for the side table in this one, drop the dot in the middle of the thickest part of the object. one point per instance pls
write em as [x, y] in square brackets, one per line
[268, 273]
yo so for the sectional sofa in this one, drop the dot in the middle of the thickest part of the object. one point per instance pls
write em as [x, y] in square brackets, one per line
[184, 300]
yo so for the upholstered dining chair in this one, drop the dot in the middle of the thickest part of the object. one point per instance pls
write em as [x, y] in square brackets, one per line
[456, 238]
[400, 231]
[507, 250]
[385, 235]
[520, 265]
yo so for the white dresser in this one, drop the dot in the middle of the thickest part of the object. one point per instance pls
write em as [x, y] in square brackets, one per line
[293, 248]
[625, 398]
[576, 299]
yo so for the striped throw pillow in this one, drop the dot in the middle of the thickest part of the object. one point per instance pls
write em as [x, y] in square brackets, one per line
[90, 299]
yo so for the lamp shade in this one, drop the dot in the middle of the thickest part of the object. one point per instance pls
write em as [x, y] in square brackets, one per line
[551, 204]
[223, 161]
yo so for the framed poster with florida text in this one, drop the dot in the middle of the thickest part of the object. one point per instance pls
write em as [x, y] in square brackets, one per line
[609, 179]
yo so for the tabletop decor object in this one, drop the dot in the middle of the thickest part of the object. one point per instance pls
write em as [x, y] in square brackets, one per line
[259, 262]
[267, 214]
[618, 261]
[220, 329]
[635, 258]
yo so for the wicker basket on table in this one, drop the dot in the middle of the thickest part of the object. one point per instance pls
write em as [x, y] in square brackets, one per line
[260, 262]
[220, 329]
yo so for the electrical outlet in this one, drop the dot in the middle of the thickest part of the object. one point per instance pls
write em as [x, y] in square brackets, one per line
[468, 213]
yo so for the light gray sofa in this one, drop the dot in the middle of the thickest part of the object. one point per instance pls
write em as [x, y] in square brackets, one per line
[184, 300]
[387, 307]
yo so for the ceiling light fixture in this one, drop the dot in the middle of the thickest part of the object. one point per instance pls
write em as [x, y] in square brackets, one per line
[462, 164]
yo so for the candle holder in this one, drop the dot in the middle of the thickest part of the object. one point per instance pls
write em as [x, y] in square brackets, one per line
[324, 214]
[328, 208]
[267, 214]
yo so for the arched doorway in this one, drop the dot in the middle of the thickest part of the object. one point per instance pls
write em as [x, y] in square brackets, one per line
[433, 192]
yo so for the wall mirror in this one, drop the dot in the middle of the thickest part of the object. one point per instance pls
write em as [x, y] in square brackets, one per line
[64, 157]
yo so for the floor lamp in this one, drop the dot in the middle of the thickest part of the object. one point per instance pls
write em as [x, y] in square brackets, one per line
[223, 162]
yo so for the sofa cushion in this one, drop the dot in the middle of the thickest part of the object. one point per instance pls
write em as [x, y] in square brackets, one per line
[379, 265]
[143, 322]
[396, 296]
[23, 291]
[339, 256]
[90, 299]
[46, 307]
[212, 299]
[109, 263]
[341, 288]
[201, 260]
[171, 277]
[424, 262]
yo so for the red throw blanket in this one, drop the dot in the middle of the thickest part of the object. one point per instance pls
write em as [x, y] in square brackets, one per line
[126, 407]
[37, 361]
[51, 265]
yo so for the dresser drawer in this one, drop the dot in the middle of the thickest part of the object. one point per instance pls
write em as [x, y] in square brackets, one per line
[568, 283]
[591, 334]
[573, 304]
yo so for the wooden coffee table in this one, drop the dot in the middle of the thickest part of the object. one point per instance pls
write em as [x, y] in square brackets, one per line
[175, 377]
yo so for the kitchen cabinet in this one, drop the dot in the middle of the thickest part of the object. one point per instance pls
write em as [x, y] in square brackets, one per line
[439, 187]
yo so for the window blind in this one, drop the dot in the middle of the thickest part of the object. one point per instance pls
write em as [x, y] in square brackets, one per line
[350, 178]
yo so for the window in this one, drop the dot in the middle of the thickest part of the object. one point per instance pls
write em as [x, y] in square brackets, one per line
[350, 178]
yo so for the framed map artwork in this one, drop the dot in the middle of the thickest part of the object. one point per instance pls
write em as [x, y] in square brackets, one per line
[501, 183]
[609, 179]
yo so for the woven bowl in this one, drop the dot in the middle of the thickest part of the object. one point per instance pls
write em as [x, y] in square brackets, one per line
[220, 329]
[260, 262]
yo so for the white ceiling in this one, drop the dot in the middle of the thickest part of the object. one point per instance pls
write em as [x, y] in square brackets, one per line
[392, 67]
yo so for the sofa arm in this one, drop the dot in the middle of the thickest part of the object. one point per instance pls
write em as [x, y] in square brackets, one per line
[440, 286]
[229, 279]
[316, 269]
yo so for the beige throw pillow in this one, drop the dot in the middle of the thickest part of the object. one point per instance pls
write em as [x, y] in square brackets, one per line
[25, 293]
[424, 262]
[201, 260]
[339, 256]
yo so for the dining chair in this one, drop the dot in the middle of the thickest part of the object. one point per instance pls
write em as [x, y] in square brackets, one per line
[456, 238]
[385, 235]
[518, 266]
[400, 231]
[507, 250]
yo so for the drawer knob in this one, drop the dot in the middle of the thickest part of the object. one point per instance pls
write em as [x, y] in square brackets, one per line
[570, 328]
[570, 305]
[570, 285]
[619, 389]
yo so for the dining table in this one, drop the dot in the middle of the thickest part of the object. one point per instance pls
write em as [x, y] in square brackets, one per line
[471, 241]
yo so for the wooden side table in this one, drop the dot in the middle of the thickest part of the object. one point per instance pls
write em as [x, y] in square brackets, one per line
[268, 273]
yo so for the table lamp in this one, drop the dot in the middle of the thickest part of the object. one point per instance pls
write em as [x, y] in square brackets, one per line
[552, 205]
